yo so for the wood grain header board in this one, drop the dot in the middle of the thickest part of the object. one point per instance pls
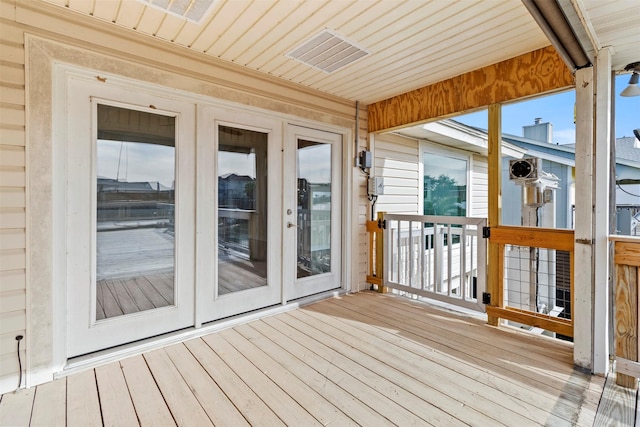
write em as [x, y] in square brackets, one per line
[526, 75]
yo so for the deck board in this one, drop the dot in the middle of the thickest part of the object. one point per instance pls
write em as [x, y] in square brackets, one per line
[115, 400]
[147, 400]
[361, 359]
[617, 406]
[473, 338]
[83, 403]
[216, 404]
[460, 378]
[414, 366]
[391, 379]
[181, 401]
[275, 345]
[284, 406]
[306, 397]
[391, 402]
[15, 407]
[245, 399]
[49, 404]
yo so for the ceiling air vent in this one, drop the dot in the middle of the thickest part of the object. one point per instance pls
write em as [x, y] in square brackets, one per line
[328, 52]
[191, 10]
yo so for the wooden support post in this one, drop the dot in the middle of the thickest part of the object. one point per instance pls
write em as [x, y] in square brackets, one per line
[380, 252]
[583, 294]
[602, 175]
[494, 259]
[376, 252]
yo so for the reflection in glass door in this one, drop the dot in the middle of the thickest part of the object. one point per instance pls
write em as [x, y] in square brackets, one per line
[242, 209]
[134, 212]
[313, 213]
[129, 198]
[314, 208]
[238, 262]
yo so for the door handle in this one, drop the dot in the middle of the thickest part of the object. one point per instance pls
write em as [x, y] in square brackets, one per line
[290, 225]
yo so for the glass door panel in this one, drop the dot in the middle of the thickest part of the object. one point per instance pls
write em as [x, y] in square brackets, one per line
[314, 208]
[239, 203]
[312, 185]
[129, 198]
[242, 209]
[135, 205]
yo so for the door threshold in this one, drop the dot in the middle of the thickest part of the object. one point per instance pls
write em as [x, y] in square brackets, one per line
[102, 357]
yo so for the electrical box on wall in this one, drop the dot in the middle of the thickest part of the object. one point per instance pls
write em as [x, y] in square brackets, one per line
[375, 186]
[366, 159]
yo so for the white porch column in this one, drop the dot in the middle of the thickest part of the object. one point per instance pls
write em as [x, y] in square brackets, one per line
[583, 277]
[591, 272]
[601, 189]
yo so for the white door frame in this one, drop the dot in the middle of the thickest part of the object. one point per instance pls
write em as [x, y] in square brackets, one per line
[293, 287]
[85, 334]
[210, 305]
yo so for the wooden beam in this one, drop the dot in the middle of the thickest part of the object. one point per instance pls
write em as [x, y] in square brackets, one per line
[627, 367]
[561, 240]
[537, 320]
[627, 253]
[526, 75]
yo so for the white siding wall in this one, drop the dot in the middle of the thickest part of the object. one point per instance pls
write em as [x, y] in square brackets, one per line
[397, 160]
[12, 204]
[479, 194]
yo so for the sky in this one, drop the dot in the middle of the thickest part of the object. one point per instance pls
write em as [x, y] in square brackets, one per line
[558, 110]
[136, 162]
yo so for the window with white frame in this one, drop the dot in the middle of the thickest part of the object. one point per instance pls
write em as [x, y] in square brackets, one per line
[446, 176]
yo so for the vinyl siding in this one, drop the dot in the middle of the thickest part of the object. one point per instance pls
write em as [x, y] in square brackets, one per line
[479, 187]
[397, 160]
[12, 204]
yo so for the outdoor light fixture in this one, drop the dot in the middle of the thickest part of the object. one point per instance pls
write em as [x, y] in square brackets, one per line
[633, 89]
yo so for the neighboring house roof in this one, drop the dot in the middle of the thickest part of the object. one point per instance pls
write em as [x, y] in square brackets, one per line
[109, 184]
[627, 151]
[458, 135]
[563, 154]
[235, 177]
[628, 148]
[454, 134]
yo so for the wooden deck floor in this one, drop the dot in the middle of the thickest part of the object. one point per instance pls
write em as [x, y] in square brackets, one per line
[363, 359]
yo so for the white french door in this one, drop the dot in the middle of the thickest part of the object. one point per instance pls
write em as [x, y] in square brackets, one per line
[238, 209]
[312, 182]
[129, 168]
[176, 213]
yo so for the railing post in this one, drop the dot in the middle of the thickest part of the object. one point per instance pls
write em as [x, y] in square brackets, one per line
[376, 252]
[380, 252]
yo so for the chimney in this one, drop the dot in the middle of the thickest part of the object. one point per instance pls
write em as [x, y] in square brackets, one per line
[538, 131]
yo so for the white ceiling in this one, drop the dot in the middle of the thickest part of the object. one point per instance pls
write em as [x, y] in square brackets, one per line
[412, 43]
[615, 24]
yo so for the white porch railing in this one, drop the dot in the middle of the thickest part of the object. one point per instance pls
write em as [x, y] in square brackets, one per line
[438, 257]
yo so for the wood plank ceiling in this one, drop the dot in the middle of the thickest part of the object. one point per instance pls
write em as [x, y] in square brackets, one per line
[616, 24]
[412, 43]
